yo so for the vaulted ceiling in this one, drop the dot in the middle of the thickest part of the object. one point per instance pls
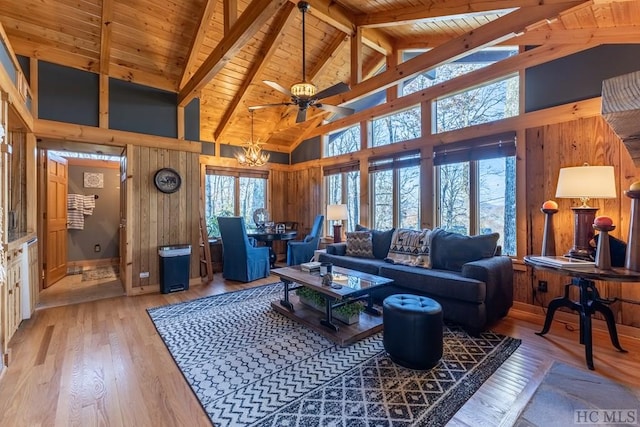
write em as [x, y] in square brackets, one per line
[221, 50]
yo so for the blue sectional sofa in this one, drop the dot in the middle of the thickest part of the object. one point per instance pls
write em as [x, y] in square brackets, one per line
[473, 285]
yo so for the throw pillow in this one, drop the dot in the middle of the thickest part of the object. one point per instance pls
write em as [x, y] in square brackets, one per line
[410, 247]
[359, 244]
[450, 251]
[381, 240]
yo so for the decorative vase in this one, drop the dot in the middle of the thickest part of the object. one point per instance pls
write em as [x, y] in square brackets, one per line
[548, 240]
[603, 251]
[632, 259]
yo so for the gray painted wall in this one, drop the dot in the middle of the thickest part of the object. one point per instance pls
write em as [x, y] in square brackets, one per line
[102, 227]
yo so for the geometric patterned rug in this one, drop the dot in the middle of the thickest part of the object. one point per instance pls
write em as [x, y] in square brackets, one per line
[249, 365]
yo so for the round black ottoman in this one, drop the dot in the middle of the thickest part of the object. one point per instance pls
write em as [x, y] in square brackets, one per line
[412, 330]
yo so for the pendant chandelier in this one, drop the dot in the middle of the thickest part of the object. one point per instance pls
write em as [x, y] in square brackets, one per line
[252, 154]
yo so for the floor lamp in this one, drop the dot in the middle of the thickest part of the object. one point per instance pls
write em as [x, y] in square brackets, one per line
[337, 213]
[584, 183]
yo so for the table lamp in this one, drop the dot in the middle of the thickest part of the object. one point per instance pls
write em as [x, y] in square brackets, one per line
[337, 213]
[584, 183]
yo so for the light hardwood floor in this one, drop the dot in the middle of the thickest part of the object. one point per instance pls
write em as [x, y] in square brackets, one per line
[102, 363]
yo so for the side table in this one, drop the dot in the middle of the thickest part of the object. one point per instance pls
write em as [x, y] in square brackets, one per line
[589, 300]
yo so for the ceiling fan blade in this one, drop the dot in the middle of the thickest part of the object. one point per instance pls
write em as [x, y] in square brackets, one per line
[258, 107]
[302, 115]
[277, 87]
[335, 109]
[336, 89]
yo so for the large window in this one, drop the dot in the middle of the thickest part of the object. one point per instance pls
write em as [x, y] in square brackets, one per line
[476, 182]
[343, 187]
[233, 192]
[397, 127]
[395, 191]
[343, 142]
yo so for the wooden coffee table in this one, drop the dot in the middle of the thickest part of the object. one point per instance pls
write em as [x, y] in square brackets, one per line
[354, 286]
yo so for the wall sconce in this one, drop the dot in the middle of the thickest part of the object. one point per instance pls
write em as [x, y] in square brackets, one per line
[337, 213]
[584, 183]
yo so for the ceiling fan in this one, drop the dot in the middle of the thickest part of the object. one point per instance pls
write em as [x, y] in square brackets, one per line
[305, 94]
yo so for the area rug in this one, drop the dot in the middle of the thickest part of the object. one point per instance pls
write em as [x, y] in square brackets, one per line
[249, 365]
[571, 396]
[102, 272]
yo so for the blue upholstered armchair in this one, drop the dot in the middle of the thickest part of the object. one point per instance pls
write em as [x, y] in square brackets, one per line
[241, 261]
[302, 251]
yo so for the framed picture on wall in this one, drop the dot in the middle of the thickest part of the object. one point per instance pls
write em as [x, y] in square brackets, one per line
[93, 180]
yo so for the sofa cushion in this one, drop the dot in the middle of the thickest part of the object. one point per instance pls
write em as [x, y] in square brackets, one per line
[359, 244]
[381, 240]
[410, 247]
[365, 265]
[450, 251]
[435, 283]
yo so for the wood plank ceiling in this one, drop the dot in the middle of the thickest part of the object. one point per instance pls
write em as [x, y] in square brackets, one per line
[222, 50]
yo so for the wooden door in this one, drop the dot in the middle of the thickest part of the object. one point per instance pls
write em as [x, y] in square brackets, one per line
[124, 273]
[56, 220]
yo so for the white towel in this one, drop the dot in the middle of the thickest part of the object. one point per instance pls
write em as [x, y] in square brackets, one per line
[89, 203]
[75, 219]
[75, 201]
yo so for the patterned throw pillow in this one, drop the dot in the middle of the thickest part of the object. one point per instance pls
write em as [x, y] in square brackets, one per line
[359, 244]
[410, 247]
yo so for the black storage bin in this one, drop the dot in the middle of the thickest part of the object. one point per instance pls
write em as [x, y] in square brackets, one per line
[174, 268]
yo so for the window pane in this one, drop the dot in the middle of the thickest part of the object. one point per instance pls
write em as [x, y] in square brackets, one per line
[396, 127]
[480, 105]
[353, 199]
[497, 201]
[454, 197]
[219, 200]
[335, 195]
[409, 203]
[382, 197]
[344, 141]
[252, 197]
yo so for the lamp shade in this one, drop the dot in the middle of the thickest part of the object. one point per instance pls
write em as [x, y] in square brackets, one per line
[337, 212]
[586, 182]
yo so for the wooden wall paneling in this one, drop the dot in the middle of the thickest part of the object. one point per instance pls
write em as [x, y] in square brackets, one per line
[522, 286]
[137, 223]
[144, 196]
[154, 261]
[194, 202]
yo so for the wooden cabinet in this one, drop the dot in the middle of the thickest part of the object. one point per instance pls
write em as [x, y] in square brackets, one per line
[33, 277]
[12, 296]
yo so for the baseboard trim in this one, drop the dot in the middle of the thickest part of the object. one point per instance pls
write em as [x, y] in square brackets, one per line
[567, 317]
[93, 262]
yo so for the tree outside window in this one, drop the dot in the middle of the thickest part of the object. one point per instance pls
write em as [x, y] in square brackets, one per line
[228, 194]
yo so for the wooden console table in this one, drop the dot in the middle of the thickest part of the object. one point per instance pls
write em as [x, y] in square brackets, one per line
[589, 300]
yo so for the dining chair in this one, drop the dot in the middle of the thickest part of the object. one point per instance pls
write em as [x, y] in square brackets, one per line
[241, 261]
[302, 251]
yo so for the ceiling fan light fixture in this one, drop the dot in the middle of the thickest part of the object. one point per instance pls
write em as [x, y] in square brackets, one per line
[304, 90]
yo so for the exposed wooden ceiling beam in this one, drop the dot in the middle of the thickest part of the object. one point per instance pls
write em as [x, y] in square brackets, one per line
[266, 52]
[493, 32]
[230, 14]
[105, 36]
[198, 39]
[337, 44]
[448, 9]
[339, 17]
[252, 19]
[628, 34]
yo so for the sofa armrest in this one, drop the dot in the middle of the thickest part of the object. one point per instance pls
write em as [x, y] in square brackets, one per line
[337, 249]
[497, 273]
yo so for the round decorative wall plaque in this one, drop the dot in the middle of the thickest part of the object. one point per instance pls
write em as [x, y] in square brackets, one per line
[167, 180]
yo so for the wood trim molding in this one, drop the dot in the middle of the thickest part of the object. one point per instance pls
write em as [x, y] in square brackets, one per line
[118, 138]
